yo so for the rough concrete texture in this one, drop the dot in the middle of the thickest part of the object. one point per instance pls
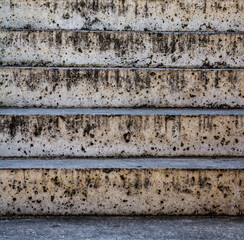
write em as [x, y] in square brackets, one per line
[121, 134]
[96, 87]
[122, 49]
[110, 228]
[143, 15]
[121, 191]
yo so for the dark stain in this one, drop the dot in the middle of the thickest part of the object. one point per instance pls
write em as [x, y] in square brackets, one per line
[87, 129]
[127, 137]
[37, 130]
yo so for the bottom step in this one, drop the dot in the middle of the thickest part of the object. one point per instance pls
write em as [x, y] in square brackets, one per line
[122, 186]
[93, 227]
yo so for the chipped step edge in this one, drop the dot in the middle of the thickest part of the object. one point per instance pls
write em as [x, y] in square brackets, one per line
[121, 191]
[99, 87]
[116, 49]
[129, 15]
[114, 133]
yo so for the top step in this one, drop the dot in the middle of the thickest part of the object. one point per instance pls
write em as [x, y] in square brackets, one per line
[134, 15]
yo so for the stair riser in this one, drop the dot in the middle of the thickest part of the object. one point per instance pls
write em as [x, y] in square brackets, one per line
[121, 191]
[38, 87]
[69, 48]
[121, 135]
[140, 15]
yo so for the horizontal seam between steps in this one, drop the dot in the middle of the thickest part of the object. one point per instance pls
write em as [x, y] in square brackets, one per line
[114, 167]
[119, 111]
[128, 157]
[122, 68]
[129, 108]
[114, 66]
[124, 163]
[118, 31]
[124, 168]
[146, 158]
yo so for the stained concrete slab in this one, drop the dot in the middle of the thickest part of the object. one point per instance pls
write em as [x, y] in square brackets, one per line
[121, 87]
[121, 49]
[143, 15]
[88, 133]
[71, 228]
[122, 191]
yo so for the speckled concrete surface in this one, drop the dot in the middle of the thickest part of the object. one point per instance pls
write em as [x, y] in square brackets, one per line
[79, 134]
[121, 191]
[143, 15]
[100, 87]
[108, 228]
[121, 49]
[168, 54]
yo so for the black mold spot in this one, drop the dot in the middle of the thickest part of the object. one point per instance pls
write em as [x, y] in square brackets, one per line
[127, 137]
[107, 170]
[37, 131]
[66, 16]
[87, 129]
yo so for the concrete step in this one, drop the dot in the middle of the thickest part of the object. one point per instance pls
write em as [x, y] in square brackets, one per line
[121, 87]
[171, 15]
[122, 186]
[121, 132]
[121, 49]
[122, 227]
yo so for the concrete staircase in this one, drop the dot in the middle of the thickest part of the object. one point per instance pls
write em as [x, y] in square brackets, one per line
[122, 107]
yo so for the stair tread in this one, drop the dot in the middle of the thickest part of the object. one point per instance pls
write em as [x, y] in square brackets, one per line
[121, 191]
[127, 49]
[121, 133]
[131, 163]
[121, 87]
[133, 15]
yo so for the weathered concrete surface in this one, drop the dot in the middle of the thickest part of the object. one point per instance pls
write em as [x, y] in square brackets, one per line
[62, 87]
[120, 134]
[121, 191]
[157, 15]
[122, 49]
[120, 228]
